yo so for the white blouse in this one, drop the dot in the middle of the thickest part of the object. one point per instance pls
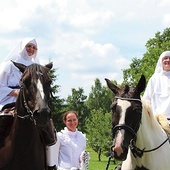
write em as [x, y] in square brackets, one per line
[66, 153]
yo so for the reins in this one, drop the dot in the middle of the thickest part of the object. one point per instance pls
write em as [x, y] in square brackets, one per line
[137, 152]
[108, 163]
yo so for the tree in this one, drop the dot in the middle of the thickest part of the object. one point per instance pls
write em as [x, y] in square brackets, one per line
[146, 65]
[98, 122]
[55, 102]
[99, 97]
[98, 128]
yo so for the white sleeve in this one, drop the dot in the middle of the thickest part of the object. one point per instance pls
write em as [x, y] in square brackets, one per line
[53, 153]
[4, 89]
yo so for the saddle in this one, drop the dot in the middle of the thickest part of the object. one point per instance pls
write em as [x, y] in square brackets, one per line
[6, 122]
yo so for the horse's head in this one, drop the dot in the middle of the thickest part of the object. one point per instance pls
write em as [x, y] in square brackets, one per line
[126, 116]
[34, 96]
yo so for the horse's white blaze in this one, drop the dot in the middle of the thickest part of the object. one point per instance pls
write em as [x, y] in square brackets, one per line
[124, 105]
[117, 148]
[40, 88]
[120, 136]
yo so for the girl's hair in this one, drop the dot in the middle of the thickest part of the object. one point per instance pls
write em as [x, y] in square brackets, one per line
[66, 113]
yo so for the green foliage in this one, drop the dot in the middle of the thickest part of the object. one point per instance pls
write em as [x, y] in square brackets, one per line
[146, 66]
[98, 128]
[132, 72]
[99, 97]
[55, 102]
[97, 122]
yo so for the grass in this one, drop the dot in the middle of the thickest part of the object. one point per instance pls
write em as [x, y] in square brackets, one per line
[95, 164]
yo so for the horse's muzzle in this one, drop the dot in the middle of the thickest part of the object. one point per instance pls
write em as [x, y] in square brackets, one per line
[119, 156]
[49, 134]
[42, 116]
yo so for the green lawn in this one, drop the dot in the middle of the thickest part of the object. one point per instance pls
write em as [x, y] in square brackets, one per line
[94, 164]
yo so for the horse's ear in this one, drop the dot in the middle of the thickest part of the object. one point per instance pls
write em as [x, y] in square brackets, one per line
[141, 84]
[49, 66]
[20, 66]
[111, 86]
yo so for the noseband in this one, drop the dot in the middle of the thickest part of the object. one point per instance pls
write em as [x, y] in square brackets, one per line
[126, 128]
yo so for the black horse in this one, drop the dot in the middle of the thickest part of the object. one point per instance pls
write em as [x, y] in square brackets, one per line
[30, 130]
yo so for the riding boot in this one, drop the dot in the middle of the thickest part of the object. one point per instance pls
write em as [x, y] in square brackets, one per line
[52, 167]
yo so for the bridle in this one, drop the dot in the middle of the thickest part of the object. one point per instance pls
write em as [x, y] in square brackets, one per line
[128, 99]
[28, 110]
[137, 152]
[124, 126]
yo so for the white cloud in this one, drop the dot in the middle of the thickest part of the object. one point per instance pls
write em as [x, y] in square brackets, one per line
[166, 20]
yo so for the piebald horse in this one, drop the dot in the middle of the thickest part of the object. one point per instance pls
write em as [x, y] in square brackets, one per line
[139, 140]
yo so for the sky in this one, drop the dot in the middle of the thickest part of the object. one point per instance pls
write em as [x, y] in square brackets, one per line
[85, 39]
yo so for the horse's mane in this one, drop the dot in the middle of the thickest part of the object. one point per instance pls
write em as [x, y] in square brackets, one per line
[148, 118]
[147, 107]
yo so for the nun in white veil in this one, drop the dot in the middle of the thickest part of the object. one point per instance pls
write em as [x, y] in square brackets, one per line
[25, 52]
[158, 87]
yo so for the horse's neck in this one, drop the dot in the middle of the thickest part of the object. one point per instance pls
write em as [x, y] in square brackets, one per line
[26, 137]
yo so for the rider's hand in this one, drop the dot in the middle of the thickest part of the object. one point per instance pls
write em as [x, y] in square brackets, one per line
[14, 93]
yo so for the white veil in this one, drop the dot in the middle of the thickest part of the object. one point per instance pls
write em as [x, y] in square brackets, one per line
[159, 68]
[19, 51]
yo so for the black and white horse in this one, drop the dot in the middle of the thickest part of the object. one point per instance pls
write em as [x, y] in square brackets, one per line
[139, 140]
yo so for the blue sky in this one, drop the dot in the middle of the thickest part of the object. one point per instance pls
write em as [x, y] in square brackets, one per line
[85, 39]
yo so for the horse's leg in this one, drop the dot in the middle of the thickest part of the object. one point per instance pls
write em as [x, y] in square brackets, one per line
[7, 142]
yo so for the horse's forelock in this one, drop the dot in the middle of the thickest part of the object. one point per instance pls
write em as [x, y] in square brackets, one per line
[127, 92]
[126, 89]
[35, 70]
